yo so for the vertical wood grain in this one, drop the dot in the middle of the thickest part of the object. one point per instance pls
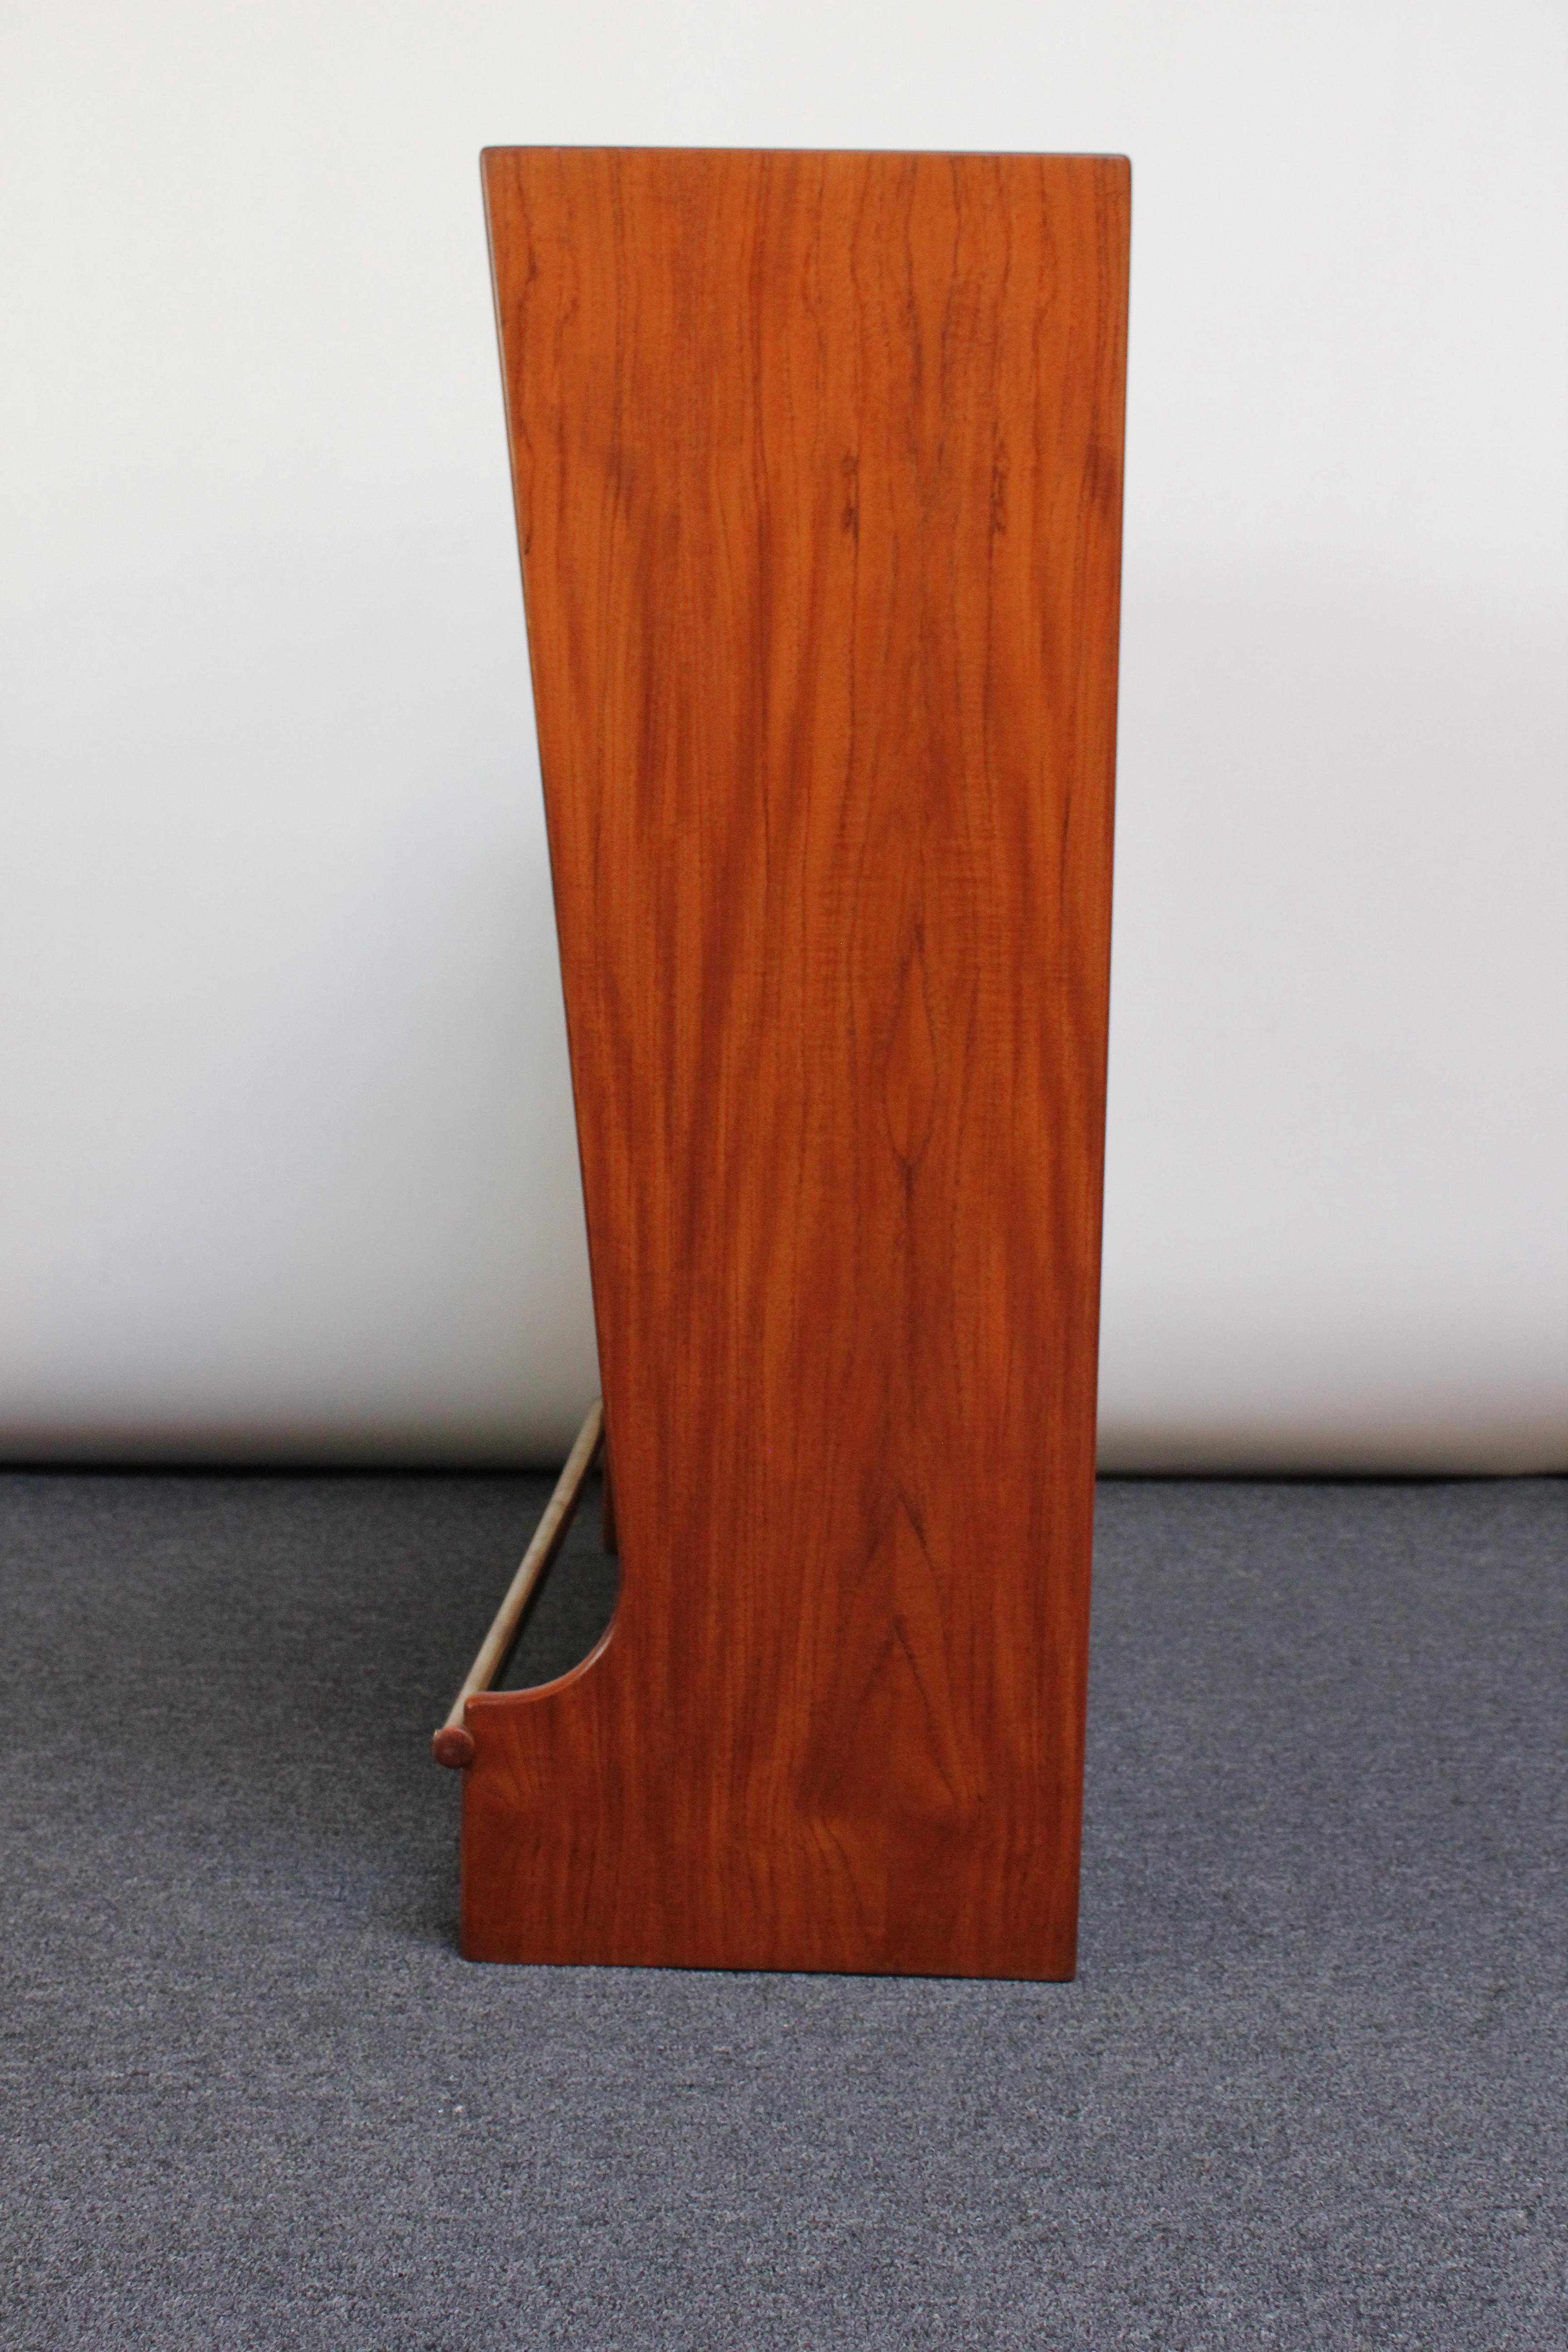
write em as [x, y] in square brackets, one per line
[817, 461]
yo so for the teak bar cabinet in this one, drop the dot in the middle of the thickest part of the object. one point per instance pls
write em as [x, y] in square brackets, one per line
[818, 462]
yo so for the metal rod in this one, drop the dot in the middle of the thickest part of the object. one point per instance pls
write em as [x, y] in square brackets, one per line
[548, 1538]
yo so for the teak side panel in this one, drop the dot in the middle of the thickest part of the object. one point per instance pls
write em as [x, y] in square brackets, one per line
[818, 462]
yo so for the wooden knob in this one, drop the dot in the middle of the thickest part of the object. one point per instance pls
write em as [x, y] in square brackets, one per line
[453, 1747]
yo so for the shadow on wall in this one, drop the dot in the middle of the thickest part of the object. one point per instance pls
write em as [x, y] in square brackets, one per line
[1339, 1028]
[298, 1178]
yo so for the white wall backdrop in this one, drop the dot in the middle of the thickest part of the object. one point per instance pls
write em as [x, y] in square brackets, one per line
[288, 1168]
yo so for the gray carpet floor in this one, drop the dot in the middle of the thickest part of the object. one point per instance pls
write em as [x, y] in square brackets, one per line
[1307, 2090]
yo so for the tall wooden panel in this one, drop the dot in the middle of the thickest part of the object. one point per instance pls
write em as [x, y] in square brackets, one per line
[818, 462]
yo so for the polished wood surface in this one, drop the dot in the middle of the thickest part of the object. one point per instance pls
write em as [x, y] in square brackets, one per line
[818, 462]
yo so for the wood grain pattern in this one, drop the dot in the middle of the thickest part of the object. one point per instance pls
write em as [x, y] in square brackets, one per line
[817, 461]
